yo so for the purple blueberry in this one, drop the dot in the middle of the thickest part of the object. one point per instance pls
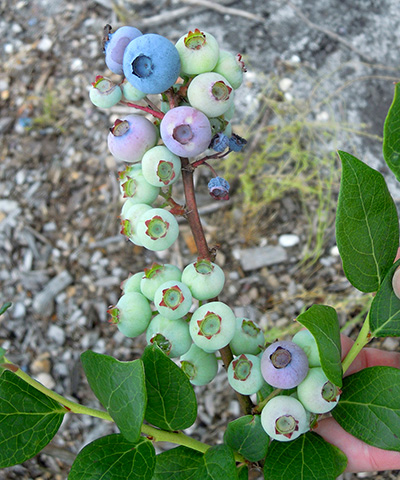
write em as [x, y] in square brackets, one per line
[218, 188]
[131, 137]
[284, 365]
[185, 131]
[114, 47]
[151, 63]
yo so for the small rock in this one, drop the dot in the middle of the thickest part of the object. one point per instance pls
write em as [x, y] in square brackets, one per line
[44, 44]
[285, 84]
[288, 240]
[41, 364]
[18, 310]
[56, 334]
[390, 343]
[334, 251]
[46, 379]
[258, 257]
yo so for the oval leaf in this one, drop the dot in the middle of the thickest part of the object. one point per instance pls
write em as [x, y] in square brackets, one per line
[384, 315]
[171, 401]
[309, 457]
[113, 457]
[323, 324]
[369, 407]
[391, 136]
[28, 420]
[246, 436]
[367, 230]
[183, 463]
[120, 387]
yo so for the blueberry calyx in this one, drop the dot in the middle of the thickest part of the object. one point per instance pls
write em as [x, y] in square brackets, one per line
[163, 343]
[280, 358]
[195, 40]
[142, 66]
[210, 325]
[286, 425]
[182, 134]
[156, 228]
[172, 297]
[220, 90]
[241, 368]
[120, 127]
[218, 188]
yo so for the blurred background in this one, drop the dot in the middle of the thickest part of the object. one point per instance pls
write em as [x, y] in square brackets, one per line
[320, 78]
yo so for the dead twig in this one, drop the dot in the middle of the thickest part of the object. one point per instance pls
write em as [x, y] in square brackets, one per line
[227, 10]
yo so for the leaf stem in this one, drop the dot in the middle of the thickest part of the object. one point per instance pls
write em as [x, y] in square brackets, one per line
[156, 434]
[362, 339]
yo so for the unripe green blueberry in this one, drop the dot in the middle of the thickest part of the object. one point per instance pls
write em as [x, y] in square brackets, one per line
[244, 374]
[306, 341]
[204, 279]
[131, 314]
[396, 282]
[133, 185]
[198, 52]
[156, 275]
[317, 393]
[201, 367]
[210, 93]
[212, 326]
[248, 337]
[230, 113]
[130, 219]
[172, 336]
[284, 418]
[160, 166]
[103, 93]
[173, 299]
[132, 283]
[131, 93]
[157, 229]
[231, 67]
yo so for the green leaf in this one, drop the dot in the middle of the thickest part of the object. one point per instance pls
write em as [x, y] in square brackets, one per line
[120, 387]
[182, 463]
[114, 458]
[323, 324]
[246, 436]
[28, 420]
[309, 457]
[243, 473]
[367, 227]
[391, 135]
[171, 401]
[5, 307]
[369, 407]
[384, 315]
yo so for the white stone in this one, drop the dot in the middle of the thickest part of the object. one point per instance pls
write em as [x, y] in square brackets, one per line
[334, 251]
[56, 334]
[44, 44]
[46, 379]
[285, 84]
[288, 240]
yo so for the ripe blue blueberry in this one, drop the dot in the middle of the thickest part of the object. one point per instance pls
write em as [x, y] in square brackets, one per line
[151, 63]
[114, 48]
[284, 418]
[218, 188]
[284, 365]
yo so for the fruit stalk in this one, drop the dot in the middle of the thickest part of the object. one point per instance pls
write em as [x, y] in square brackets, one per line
[193, 217]
[155, 113]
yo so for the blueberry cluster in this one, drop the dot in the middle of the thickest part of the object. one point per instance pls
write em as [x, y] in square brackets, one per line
[178, 310]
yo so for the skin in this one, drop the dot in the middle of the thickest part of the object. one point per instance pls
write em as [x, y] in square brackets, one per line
[361, 457]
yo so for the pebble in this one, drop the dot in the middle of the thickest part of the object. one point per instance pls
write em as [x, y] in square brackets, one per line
[46, 379]
[45, 44]
[288, 240]
[18, 310]
[56, 334]
[285, 84]
[258, 257]
[41, 364]
[390, 343]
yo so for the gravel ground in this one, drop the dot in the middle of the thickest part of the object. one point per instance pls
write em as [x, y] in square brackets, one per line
[62, 258]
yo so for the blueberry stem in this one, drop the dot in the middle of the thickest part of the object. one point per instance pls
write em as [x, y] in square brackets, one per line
[203, 160]
[362, 339]
[262, 404]
[156, 114]
[155, 434]
[204, 251]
